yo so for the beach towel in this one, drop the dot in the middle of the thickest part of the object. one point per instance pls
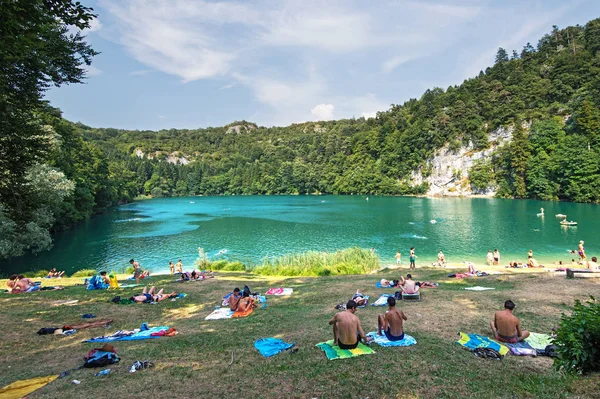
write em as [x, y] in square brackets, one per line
[237, 313]
[131, 335]
[222, 313]
[280, 291]
[539, 341]
[333, 352]
[271, 346]
[382, 300]
[521, 348]
[21, 388]
[114, 283]
[382, 340]
[366, 302]
[128, 285]
[378, 285]
[473, 341]
[478, 288]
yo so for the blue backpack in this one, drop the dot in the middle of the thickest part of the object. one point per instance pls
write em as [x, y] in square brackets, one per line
[96, 283]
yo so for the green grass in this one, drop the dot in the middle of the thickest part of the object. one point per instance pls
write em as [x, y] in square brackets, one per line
[85, 273]
[195, 363]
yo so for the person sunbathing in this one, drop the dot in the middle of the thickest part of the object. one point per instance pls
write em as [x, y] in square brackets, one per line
[245, 303]
[347, 331]
[359, 298]
[150, 295]
[25, 285]
[506, 327]
[408, 285]
[12, 281]
[54, 274]
[391, 322]
[234, 299]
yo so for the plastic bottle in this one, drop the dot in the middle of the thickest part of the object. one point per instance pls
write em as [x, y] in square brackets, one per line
[103, 372]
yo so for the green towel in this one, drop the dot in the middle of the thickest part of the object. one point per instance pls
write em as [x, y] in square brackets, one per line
[334, 352]
[539, 341]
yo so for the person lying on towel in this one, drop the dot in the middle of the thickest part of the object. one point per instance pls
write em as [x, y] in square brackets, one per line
[408, 285]
[359, 299]
[391, 322]
[506, 327]
[24, 284]
[151, 296]
[347, 331]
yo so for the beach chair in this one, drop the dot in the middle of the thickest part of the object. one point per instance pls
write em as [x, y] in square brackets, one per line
[412, 297]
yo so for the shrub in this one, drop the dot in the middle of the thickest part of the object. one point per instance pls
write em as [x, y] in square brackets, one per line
[85, 273]
[578, 339]
[37, 273]
[202, 261]
[129, 270]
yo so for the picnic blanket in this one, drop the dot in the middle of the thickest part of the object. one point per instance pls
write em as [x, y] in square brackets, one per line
[135, 335]
[280, 291]
[271, 346]
[474, 341]
[382, 340]
[478, 288]
[382, 300]
[221, 313]
[246, 313]
[333, 352]
[378, 285]
[22, 388]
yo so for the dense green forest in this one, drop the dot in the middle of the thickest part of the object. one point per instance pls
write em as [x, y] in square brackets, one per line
[56, 173]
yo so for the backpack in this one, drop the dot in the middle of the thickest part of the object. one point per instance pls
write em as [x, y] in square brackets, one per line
[98, 358]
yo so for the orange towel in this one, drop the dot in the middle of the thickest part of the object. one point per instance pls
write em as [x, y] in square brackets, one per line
[243, 314]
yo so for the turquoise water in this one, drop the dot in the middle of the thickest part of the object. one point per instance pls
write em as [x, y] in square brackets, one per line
[248, 228]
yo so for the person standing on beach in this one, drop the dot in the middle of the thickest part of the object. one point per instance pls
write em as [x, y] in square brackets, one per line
[398, 258]
[581, 252]
[179, 266]
[530, 254]
[490, 258]
[172, 267]
[496, 257]
[412, 258]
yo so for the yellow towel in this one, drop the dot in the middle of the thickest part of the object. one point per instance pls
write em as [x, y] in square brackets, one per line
[20, 388]
[114, 284]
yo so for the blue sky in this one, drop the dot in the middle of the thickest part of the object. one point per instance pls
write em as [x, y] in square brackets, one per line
[198, 63]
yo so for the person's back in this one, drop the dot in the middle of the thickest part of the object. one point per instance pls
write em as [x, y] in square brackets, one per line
[234, 299]
[346, 328]
[23, 284]
[506, 326]
[409, 286]
[391, 324]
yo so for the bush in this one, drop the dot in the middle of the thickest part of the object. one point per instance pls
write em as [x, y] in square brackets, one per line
[37, 273]
[312, 263]
[578, 339]
[129, 270]
[85, 273]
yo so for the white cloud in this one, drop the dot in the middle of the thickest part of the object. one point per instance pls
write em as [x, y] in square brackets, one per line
[323, 112]
[393, 63]
[162, 117]
[369, 115]
[140, 72]
[91, 70]
[228, 86]
[95, 25]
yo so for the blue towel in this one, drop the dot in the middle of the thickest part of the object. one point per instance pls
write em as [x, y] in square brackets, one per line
[382, 300]
[382, 340]
[378, 285]
[128, 336]
[271, 346]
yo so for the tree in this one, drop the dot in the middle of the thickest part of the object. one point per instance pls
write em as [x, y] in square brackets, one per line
[37, 51]
[501, 56]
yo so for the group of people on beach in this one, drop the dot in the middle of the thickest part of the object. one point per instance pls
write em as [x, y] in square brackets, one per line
[411, 258]
[348, 331]
[241, 301]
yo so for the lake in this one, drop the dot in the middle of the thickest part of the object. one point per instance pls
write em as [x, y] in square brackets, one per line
[248, 228]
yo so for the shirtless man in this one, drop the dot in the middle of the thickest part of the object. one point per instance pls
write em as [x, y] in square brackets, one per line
[398, 258]
[506, 327]
[104, 278]
[171, 267]
[179, 266]
[593, 264]
[490, 258]
[245, 302]
[234, 299]
[25, 285]
[391, 322]
[347, 331]
[408, 285]
[138, 272]
[412, 258]
[496, 257]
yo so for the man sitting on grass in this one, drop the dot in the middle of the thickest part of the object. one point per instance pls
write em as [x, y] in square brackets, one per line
[149, 295]
[234, 299]
[347, 331]
[391, 322]
[506, 327]
[104, 278]
[408, 285]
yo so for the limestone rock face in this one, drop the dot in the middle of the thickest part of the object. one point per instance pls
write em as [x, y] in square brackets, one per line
[449, 175]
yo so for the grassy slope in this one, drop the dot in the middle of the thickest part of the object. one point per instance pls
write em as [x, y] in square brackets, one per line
[195, 362]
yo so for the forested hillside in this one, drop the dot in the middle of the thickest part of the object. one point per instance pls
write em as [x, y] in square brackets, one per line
[57, 173]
